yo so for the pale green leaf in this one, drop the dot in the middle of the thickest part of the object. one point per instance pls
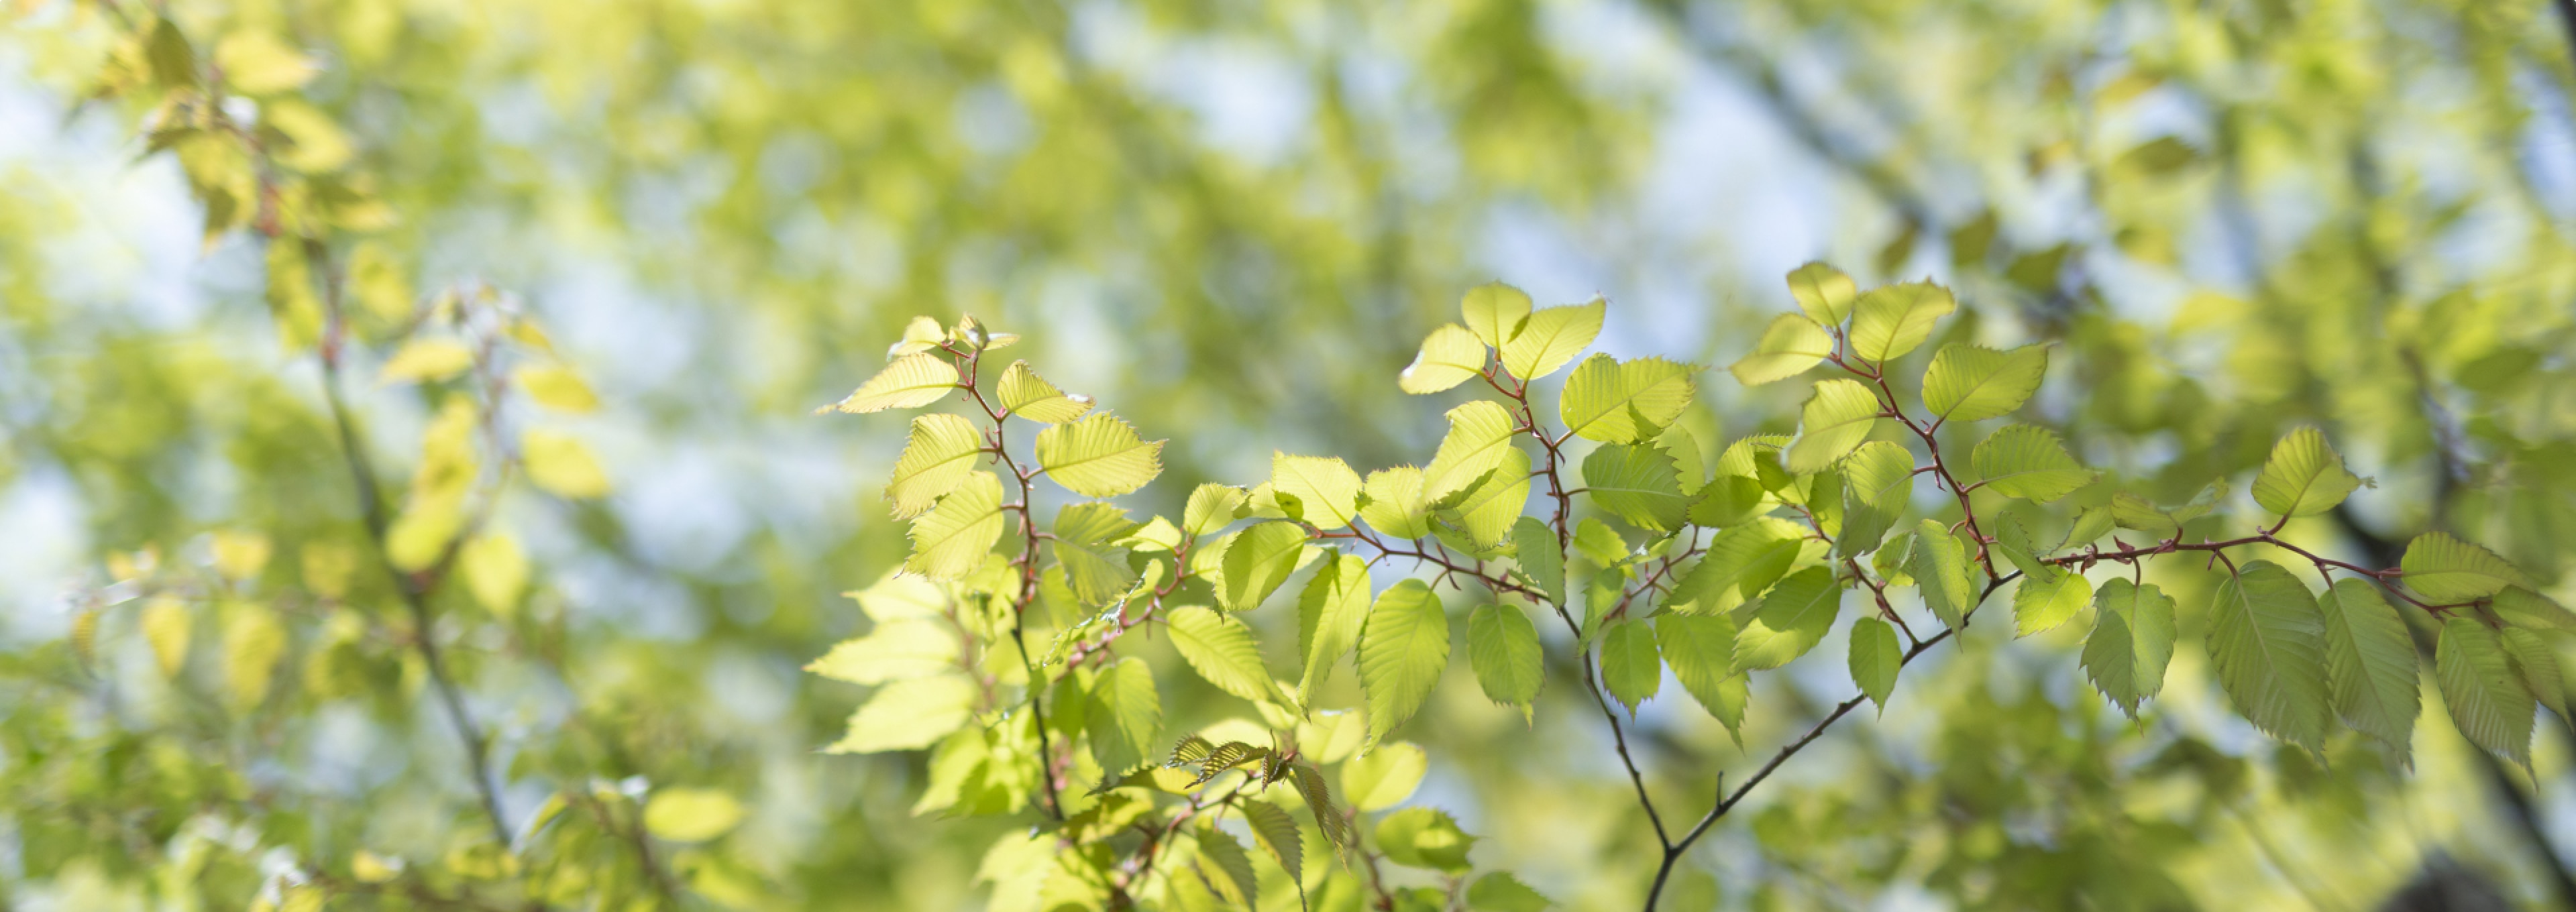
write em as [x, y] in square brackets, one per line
[1211, 507]
[2304, 477]
[909, 715]
[1551, 337]
[2013, 542]
[892, 651]
[2449, 570]
[1030, 396]
[1837, 417]
[1637, 483]
[1383, 777]
[1277, 834]
[1875, 659]
[1972, 383]
[1449, 356]
[1494, 312]
[1701, 651]
[1226, 867]
[1099, 456]
[1222, 651]
[1740, 563]
[690, 814]
[1480, 433]
[1894, 319]
[1330, 614]
[942, 451]
[1878, 483]
[912, 381]
[1125, 718]
[1085, 544]
[1789, 620]
[2026, 461]
[2267, 645]
[1324, 490]
[1630, 666]
[1402, 652]
[2488, 701]
[1257, 561]
[1501, 892]
[1789, 346]
[1824, 292]
[1728, 501]
[1502, 647]
[1423, 837]
[2132, 642]
[1488, 512]
[1940, 567]
[951, 540]
[2370, 664]
[1397, 507]
[2537, 663]
[1625, 402]
[2130, 511]
[2040, 605]
[1541, 557]
[2524, 608]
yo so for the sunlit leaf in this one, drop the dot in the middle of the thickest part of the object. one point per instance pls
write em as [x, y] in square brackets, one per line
[2027, 461]
[2304, 477]
[1330, 615]
[2370, 664]
[1624, 402]
[1551, 337]
[1222, 651]
[912, 381]
[1875, 659]
[1837, 417]
[1789, 620]
[2446, 569]
[1638, 483]
[1631, 668]
[1789, 346]
[1402, 652]
[2132, 642]
[1480, 434]
[1825, 293]
[951, 540]
[1449, 356]
[941, 453]
[1494, 312]
[1970, 383]
[1503, 648]
[2488, 701]
[1324, 489]
[1894, 319]
[1099, 456]
[2267, 644]
[1383, 777]
[1030, 396]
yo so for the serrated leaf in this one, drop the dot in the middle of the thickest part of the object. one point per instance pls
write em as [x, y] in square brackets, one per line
[1085, 544]
[1099, 456]
[1222, 651]
[1728, 501]
[1385, 776]
[1423, 837]
[2132, 642]
[1501, 892]
[1325, 490]
[1402, 652]
[1790, 620]
[909, 715]
[1939, 565]
[912, 381]
[2130, 511]
[892, 651]
[1319, 799]
[1825, 293]
[1789, 346]
[2304, 477]
[1894, 319]
[2370, 664]
[2524, 608]
[1395, 504]
[1494, 312]
[1837, 417]
[2028, 462]
[2090, 525]
[1701, 651]
[1277, 834]
[1449, 356]
[1480, 434]
[1740, 562]
[1631, 667]
[1257, 560]
[1030, 396]
[1125, 716]
[1878, 483]
[2488, 702]
[1624, 402]
[1551, 337]
[1330, 615]
[1973, 383]
[1211, 507]
[2449, 570]
[1226, 867]
[1541, 557]
[1502, 647]
[2013, 541]
[1875, 659]
[1637, 483]
[951, 540]
[939, 456]
[2537, 664]
[2267, 644]
[1488, 512]
[2040, 605]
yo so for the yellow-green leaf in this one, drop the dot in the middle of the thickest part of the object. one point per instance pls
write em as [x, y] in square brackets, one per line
[1320, 491]
[1330, 615]
[1616, 402]
[1487, 513]
[2371, 664]
[1396, 506]
[1875, 659]
[691, 814]
[166, 623]
[1894, 319]
[427, 359]
[895, 650]
[2304, 477]
[1789, 620]
[2040, 604]
[1837, 417]
[1211, 507]
[1449, 356]
[2489, 703]
[1403, 650]
[2026, 461]
[941, 453]
[1495, 312]
[2132, 642]
[1480, 433]
[1631, 668]
[1824, 292]
[2267, 644]
[1973, 383]
[951, 540]
[1030, 396]
[561, 465]
[2446, 569]
[556, 387]
[912, 381]
[909, 715]
[1099, 456]
[1551, 337]
[1789, 346]
[1222, 651]
[1637, 483]
[1257, 561]
[256, 63]
[1502, 647]
[1384, 777]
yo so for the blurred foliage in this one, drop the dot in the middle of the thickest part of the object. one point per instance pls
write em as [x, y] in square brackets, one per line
[409, 467]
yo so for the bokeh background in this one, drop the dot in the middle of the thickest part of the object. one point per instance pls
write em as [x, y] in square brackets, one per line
[1233, 222]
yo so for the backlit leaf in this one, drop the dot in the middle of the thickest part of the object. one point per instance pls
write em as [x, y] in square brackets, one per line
[1030, 396]
[1402, 653]
[912, 381]
[1631, 667]
[1480, 433]
[1125, 718]
[1385, 776]
[691, 814]
[1971, 383]
[1637, 483]
[909, 715]
[1940, 567]
[2039, 605]
[951, 540]
[1551, 337]
[1825, 293]
[1789, 620]
[1086, 546]
[1494, 312]
[2370, 664]
[1502, 646]
[2267, 644]
[1894, 319]
[1330, 615]
[2132, 642]
[1257, 561]
[1789, 346]
[1875, 659]
[1501, 892]
[1449, 356]
[561, 464]
[1624, 402]
[1222, 651]
[2446, 569]
[1397, 507]
[2304, 477]
[1488, 512]
[1837, 417]
[2488, 701]
[1701, 651]
[1325, 490]
[941, 453]
[2026, 461]
[1099, 456]
[1211, 507]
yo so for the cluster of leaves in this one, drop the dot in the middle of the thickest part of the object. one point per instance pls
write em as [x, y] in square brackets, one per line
[1715, 567]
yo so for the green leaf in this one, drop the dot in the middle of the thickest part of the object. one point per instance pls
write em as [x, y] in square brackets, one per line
[951, 540]
[1277, 834]
[1701, 651]
[1319, 799]
[1837, 417]
[2267, 643]
[909, 715]
[1740, 563]
[1541, 557]
[1257, 560]
[2449, 570]
[1125, 718]
[2039, 605]
[2132, 642]
[1878, 483]
[1790, 620]
[1222, 651]
[911, 381]
[2370, 664]
[893, 650]
[1824, 292]
[2130, 511]
[1324, 489]
[1630, 666]
[1085, 537]
[2090, 525]
[1893, 319]
[1395, 505]
[1099, 456]
[1637, 483]
[1030, 396]
[691, 814]
[1502, 646]
[1789, 346]
[1488, 512]
[1383, 777]
[2537, 663]
[1211, 507]
[2012, 540]
[2524, 608]
[1330, 615]
[1480, 434]
[1939, 565]
[1729, 500]
[1972, 383]
[1226, 867]
[940, 455]
[1624, 402]
[2026, 461]
[1501, 892]
[2304, 477]
[1449, 356]
[1495, 312]
[1875, 659]
[2488, 701]
[1551, 337]
[1424, 838]
[1402, 652]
